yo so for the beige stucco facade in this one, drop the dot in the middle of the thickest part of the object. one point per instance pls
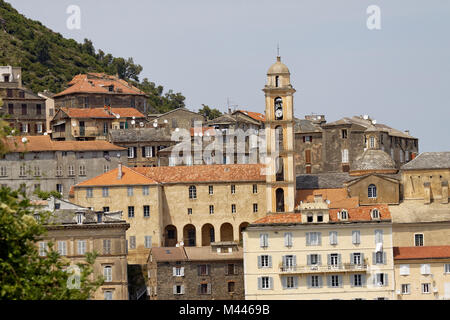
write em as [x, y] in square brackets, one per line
[276, 249]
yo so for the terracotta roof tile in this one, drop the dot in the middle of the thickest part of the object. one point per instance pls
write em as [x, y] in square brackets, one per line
[428, 252]
[354, 215]
[44, 143]
[162, 254]
[204, 173]
[254, 115]
[129, 177]
[99, 83]
[87, 113]
[127, 112]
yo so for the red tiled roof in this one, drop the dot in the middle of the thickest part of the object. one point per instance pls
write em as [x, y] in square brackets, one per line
[127, 112]
[203, 130]
[44, 143]
[87, 113]
[254, 115]
[129, 177]
[99, 83]
[354, 215]
[204, 173]
[428, 252]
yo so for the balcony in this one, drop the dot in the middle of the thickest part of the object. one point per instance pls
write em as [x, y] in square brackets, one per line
[304, 269]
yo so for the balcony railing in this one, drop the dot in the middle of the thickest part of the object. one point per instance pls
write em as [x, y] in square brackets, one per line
[344, 267]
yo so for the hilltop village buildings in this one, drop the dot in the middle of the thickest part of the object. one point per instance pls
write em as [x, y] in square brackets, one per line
[343, 210]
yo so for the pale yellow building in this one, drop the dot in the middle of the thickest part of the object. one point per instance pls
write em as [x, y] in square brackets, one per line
[319, 253]
[165, 206]
[422, 273]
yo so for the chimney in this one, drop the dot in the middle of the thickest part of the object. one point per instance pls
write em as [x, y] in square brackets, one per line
[407, 132]
[119, 171]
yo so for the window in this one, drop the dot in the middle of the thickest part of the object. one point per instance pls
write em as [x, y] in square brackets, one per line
[378, 236]
[106, 246]
[289, 282]
[356, 237]
[344, 133]
[255, 188]
[233, 208]
[211, 190]
[148, 152]
[372, 142]
[356, 258]
[314, 281]
[313, 238]
[105, 192]
[145, 190]
[289, 262]
[356, 280]
[309, 217]
[233, 189]
[148, 242]
[425, 269]
[211, 209]
[333, 237]
[204, 288]
[108, 294]
[10, 108]
[425, 288]
[105, 209]
[418, 240]
[319, 217]
[334, 281]
[203, 269]
[406, 288]
[380, 279]
[107, 273]
[23, 171]
[131, 154]
[344, 156]
[3, 171]
[265, 283]
[82, 170]
[43, 249]
[24, 109]
[105, 168]
[264, 261]
[231, 269]
[313, 259]
[288, 239]
[178, 271]
[130, 212]
[133, 242]
[372, 192]
[146, 211]
[334, 259]
[100, 216]
[130, 191]
[81, 247]
[379, 257]
[178, 289]
[174, 123]
[62, 248]
[231, 286]
[39, 127]
[59, 188]
[79, 218]
[375, 214]
[89, 192]
[447, 268]
[264, 240]
[192, 192]
[404, 269]
[307, 138]
[255, 208]
[343, 215]
[71, 171]
[189, 211]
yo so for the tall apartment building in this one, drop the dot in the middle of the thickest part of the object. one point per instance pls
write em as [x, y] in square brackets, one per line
[320, 253]
[36, 162]
[25, 111]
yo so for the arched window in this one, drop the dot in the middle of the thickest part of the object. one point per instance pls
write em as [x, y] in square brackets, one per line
[277, 81]
[278, 108]
[375, 214]
[280, 170]
[280, 199]
[192, 192]
[372, 191]
[344, 215]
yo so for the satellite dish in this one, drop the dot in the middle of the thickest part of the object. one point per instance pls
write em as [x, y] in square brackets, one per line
[133, 122]
[24, 140]
[365, 117]
[74, 124]
[133, 117]
[165, 121]
[374, 121]
[155, 125]
[45, 133]
[177, 129]
[118, 116]
[141, 124]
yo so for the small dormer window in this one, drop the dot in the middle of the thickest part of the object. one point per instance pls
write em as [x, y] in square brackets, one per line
[344, 215]
[309, 217]
[372, 142]
[79, 218]
[375, 214]
[320, 217]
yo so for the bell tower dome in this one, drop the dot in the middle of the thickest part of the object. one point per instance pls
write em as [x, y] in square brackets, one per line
[280, 174]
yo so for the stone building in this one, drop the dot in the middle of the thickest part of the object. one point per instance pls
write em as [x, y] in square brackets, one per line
[49, 108]
[422, 273]
[93, 123]
[195, 205]
[41, 163]
[143, 145]
[75, 230]
[96, 90]
[320, 253]
[214, 272]
[334, 146]
[177, 119]
[24, 109]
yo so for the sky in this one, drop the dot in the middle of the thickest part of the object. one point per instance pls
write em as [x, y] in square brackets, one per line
[218, 52]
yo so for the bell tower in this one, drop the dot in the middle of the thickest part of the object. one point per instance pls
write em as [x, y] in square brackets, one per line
[280, 173]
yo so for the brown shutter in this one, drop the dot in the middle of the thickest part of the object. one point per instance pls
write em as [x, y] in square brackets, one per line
[308, 156]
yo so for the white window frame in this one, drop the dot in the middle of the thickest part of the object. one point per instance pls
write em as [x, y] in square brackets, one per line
[81, 247]
[333, 237]
[426, 288]
[345, 156]
[447, 268]
[107, 273]
[425, 269]
[404, 270]
[406, 288]
[422, 240]
[62, 248]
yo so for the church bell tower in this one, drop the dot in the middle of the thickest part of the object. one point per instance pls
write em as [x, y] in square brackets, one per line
[280, 173]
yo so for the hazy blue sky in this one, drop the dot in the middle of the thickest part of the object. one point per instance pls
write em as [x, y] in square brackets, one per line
[214, 50]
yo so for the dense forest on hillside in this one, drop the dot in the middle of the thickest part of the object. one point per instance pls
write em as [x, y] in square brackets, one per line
[49, 61]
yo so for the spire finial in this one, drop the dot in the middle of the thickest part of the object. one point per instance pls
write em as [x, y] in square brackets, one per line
[278, 49]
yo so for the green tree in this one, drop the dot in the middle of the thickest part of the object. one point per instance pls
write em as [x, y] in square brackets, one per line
[42, 50]
[209, 113]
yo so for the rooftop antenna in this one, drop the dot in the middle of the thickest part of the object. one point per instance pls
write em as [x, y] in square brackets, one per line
[278, 49]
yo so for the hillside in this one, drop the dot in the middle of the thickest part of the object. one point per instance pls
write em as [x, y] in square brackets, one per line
[49, 61]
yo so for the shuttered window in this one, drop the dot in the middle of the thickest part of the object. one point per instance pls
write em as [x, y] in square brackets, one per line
[404, 269]
[62, 248]
[288, 239]
[356, 237]
[107, 246]
[264, 240]
[107, 273]
[308, 156]
[81, 246]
